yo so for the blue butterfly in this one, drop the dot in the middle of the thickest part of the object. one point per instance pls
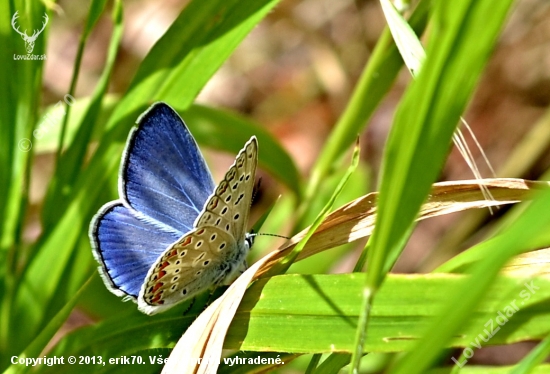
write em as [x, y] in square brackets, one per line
[172, 234]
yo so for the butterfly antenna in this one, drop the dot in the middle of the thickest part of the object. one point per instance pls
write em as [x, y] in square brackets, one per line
[266, 234]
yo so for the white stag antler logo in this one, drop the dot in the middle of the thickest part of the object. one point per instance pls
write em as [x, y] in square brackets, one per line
[29, 40]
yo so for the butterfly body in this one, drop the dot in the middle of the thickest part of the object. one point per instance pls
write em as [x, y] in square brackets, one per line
[172, 234]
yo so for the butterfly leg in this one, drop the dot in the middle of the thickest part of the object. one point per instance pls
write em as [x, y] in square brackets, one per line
[243, 267]
[190, 306]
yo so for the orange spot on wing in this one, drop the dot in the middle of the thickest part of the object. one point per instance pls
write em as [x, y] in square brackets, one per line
[186, 242]
[157, 286]
[172, 253]
[156, 298]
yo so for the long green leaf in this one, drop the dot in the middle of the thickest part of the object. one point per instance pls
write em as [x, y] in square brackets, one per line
[320, 313]
[20, 81]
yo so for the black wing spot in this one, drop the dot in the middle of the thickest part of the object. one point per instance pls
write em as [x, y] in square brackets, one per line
[239, 199]
[236, 217]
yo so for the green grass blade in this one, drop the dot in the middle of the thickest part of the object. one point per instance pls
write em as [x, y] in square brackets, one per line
[423, 127]
[407, 42]
[334, 363]
[43, 290]
[206, 33]
[70, 163]
[375, 81]
[39, 343]
[426, 119]
[96, 9]
[289, 259]
[534, 358]
[21, 82]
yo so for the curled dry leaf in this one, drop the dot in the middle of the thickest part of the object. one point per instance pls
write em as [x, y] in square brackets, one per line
[204, 338]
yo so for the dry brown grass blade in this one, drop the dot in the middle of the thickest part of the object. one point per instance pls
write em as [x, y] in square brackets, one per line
[355, 220]
[530, 264]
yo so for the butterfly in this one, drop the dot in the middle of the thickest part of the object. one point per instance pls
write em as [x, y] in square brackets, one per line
[172, 233]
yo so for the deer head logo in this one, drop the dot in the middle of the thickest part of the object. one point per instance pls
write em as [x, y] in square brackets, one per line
[29, 40]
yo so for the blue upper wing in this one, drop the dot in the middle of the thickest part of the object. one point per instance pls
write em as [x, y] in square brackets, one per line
[164, 175]
[126, 244]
